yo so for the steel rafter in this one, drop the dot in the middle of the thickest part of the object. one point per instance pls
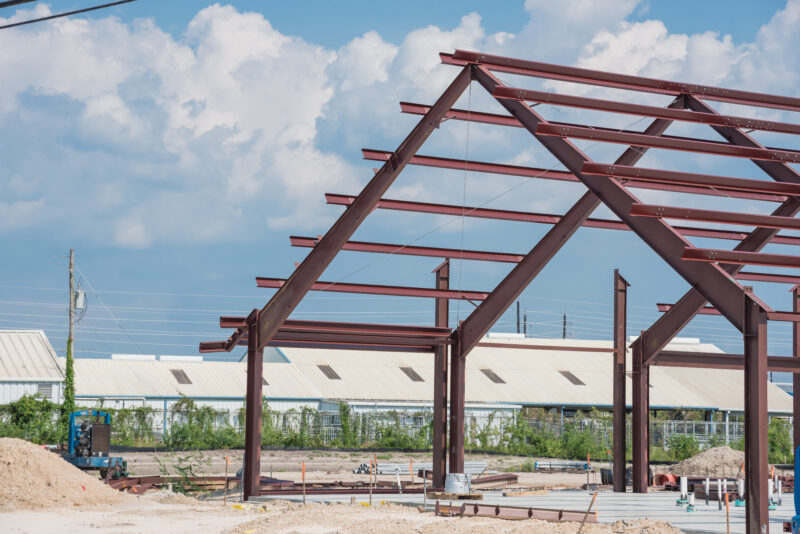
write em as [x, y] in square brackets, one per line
[284, 301]
[549, 174]
[542, 218]
[371, 289]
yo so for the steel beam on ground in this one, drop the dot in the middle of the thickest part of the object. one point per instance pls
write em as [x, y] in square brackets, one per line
[620, 322]
[412, 250]
[619, 81]
[542, 218]
[441, 316]
[654, 112]
[252, 427]
[723, 217]
[548, 174]
[738, 257]
[672, 143]
[371, 289]
[284, 301]
[666, 327]
[458, 368]
[755, 416]
[640, 431]
[686, 178]
[796, 376]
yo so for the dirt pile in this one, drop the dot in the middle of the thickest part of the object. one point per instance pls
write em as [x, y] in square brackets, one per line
[36, 478]
[716, 461]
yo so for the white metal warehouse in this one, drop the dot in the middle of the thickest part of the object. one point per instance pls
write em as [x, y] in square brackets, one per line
[28, 365]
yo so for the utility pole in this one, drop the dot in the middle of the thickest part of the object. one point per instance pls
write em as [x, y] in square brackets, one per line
[69, 373]
[564, 328]
[517, 317]
[525, 323]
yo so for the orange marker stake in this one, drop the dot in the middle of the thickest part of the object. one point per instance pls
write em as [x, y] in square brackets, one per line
[304, 482]
[370, 481]
[727, 515]
[411, 469]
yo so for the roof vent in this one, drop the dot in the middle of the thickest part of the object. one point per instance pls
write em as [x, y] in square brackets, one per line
[412, 374]
[181, 376]
[329, 372]
[491, 375]
[572, 378]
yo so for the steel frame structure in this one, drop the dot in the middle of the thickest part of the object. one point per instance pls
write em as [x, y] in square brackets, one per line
[713, 275]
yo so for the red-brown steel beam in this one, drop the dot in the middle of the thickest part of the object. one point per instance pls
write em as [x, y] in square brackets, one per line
[655, 112]
[672, 143]
[412, 250]
[784, 316]
[796, 376]
[542, 218]
[558, 348]
[687, 178]
[458, 374]
[253, 399]
[441, 319]
[340, 327]
[619, 81]
[371, 289]
[768, 277]
[284, 301]
[363, 339]
[706, 310]
[714, 360]
[547, 174]
[640, 424]
[722, 217]
[619, 364]
[738, 257]
[755, 416]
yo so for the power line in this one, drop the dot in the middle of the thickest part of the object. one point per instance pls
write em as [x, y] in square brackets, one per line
[66, 14]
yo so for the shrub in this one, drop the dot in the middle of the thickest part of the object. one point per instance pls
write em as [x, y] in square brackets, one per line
[683, 447]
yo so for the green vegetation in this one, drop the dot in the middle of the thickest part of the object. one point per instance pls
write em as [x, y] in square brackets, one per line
[532, 432]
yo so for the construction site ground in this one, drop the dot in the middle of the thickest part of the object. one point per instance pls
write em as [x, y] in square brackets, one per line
[73, 507]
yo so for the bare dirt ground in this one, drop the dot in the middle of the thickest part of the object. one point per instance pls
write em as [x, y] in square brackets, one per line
[331, 465]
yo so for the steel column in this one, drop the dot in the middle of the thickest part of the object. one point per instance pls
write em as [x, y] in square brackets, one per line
[641, 420]
[440, 381]
[252, 428]
[458, 365]
[755, 416]
[796, 376]
[284, 301]
[620, 312]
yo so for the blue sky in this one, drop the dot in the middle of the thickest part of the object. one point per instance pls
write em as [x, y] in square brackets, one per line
[176, 146]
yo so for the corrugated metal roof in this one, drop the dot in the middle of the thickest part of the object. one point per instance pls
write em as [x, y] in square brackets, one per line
[96, 378]
[531, 377]
[27, 355]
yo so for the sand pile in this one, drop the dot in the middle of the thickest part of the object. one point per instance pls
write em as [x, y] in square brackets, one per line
[33, 477]
[716, 461]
